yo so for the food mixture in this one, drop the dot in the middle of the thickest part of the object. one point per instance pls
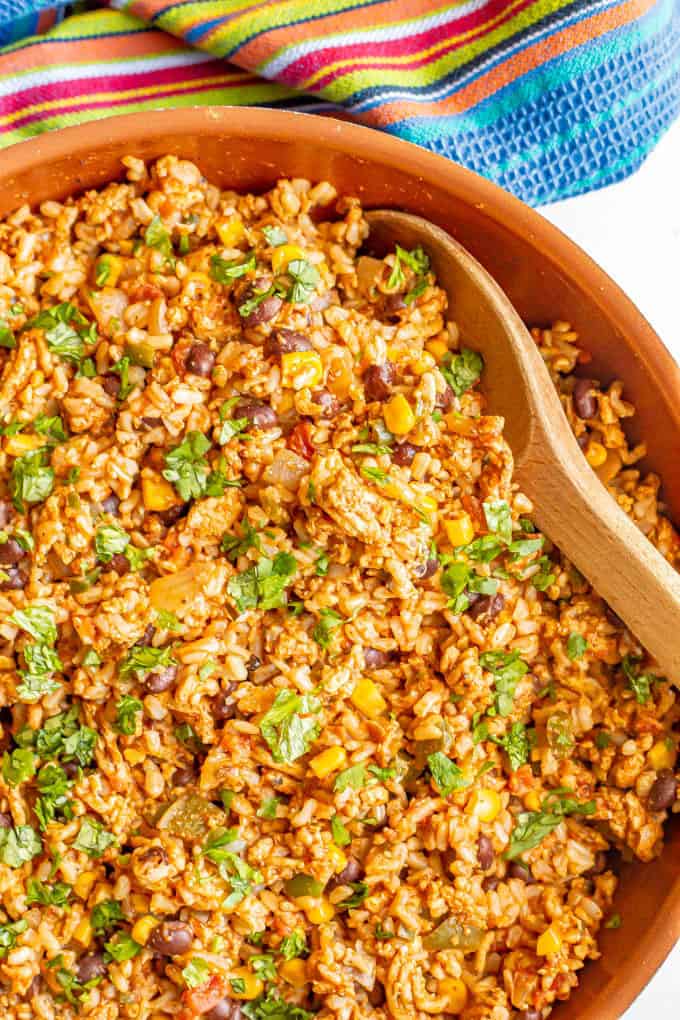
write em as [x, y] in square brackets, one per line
[301, 716]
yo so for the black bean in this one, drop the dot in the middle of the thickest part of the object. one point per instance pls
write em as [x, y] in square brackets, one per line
[147, 637]
[6, 512]
[376, 996]
[5, 820]
[161, 680]
[183, 777]
[171, 938]
[403, 454]
[223, 708]
[585, 402]
[664, 791]
[329, 404]
[485, 852]
[378, 381]
[11, 552]
[110, 504]
[583, 440]
[151, 423]
[90, 967]
[120, 563]
[517, 870]
[111, 384]
[285, 341]
[16, 580]
[264, 312]
[615, 620]
[374, 658]
[253, 663]
[393, 304]
[600, 864]
[174, 514]
[444, 400]
[71, 768]
[352, 872]
[488, 606]
[200, 360]
[427, 569]
[260, 415]
[224, 1010]
[35, 986]
[490, 883]
[530, 1014]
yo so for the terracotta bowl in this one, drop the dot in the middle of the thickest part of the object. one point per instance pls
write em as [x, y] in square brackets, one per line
[545, 275]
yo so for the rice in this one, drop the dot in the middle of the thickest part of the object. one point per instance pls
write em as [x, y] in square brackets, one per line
[301, 715]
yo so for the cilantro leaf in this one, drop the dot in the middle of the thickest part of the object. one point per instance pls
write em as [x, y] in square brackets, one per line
[341, 836]
[187, 467]
[576, 646]
[533, 826]
[353, 778]
[19, 845]
[60, 335]
[110, 540]
[293, 945]
[462, 371]
[290, 725]
[223, 270]
[38, 621]
[639, 683]
[446, 774]
[141, 659]
[305, 278]
[498, 518]
[122, 947]
[105, 915]
[508, 670]
[264, 584]
[18, 766]
[31, 478]
[10, 931]
[328, 622]
[156, 236]
[267, 808]
[517, 744]
[127, 708]
[48, 896]
[275, 236]
[93, 839]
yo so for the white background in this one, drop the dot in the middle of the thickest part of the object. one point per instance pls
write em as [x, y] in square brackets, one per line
[633, 230]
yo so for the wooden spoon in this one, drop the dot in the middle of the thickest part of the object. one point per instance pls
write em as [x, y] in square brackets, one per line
[571, 505]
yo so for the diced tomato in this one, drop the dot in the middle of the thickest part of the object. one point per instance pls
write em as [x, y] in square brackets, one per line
[299, 441]
[205, 997]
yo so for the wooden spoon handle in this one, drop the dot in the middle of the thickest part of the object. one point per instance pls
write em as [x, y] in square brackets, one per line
[612, 553]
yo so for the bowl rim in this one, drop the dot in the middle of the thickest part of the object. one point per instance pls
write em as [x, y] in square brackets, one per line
[496, 204]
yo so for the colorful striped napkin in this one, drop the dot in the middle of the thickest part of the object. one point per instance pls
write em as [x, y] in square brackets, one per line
[549, 98]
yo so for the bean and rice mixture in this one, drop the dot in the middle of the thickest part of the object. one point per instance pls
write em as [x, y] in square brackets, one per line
[301, 717]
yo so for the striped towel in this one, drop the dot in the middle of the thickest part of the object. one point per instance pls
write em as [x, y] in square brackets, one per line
[548, 98]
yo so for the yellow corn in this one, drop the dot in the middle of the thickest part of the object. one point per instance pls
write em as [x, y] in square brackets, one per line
[17, 446]
[37, 378]
[461, 425]
[110, 267]
[437, 348]
[157, 493]
[425, 363]
[253, 985]
[83, 932]
[318, 909]
[230, 231]
[284, 255]
[484, 804]
[456, 994]
[199, 278]
[460, 530]
[336, 858]
[330, 760]
[662, 755]
[84, 883]
[133, 755]
[532, 801]
[301, 368]
[596, 454]
[428, 504]
[549, 943]
[399, 416]
[140, 903]
[143, 928]
[368, 698]
[294, 972]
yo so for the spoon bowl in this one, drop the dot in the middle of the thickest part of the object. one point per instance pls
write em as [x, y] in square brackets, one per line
[571, 505]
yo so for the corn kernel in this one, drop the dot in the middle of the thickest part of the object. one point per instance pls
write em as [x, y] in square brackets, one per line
[284, 255]
[456, 994]
[532, 801]
[37, 378]
[662, 755]
[484, 804]
[230, 231]
[336, 858]
[596, 454]
[143, 928]
[133, 755]
[460, 424]
[158, 494]
[83, 932]
[549, 943]
[294, 972]
[460, 530]
[428, 504]
[17, 446]
[399, 416]
[318, 910]
[330, 760]
[252, 985]
[201, 279]
[140, 903]
[437, 348]
[83, 883]
[425, 363]
[368, 698]
[301, 368]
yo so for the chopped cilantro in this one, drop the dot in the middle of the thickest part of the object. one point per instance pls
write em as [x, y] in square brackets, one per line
[446, 774]
[56, 895]
[264, 584]
[508, 669]
[18, 766]
[533, 826]
[223, 270]
[187, 467]
[110, 540]
[122, 947]
[275, 236]
[639, 683]
[293, 945]
[93, 839]
[328, 622]
[10, 931]
[517, 744]
[105, 915]
[576, 646]
[267, 808]
[290, 726]
[462, 371]
[305, 278]
[339, 832]
[353, 778]
[156, 236]
[19, 845]
[31, 478]
[498, 518]
[127, 709]
[141, 659]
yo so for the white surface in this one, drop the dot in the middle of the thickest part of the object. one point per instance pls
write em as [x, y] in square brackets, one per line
[632, 230]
